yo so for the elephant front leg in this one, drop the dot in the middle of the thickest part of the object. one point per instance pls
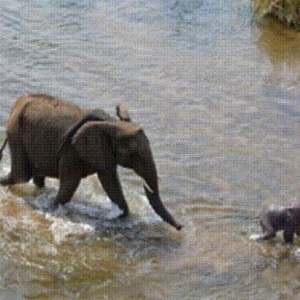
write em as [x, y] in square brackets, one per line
[20, 166]
[112, 186]
[7, 180]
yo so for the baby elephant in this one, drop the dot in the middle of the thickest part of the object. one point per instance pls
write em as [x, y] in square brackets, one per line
[274, 218]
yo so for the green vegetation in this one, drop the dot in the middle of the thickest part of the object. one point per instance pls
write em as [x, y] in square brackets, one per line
[287, 11]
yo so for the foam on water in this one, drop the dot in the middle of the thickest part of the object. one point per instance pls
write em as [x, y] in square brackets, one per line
[90, 217]
[254, 236]
[297, 254]
[61, 229]
[82, 219]
[90, 210]
[115, 212]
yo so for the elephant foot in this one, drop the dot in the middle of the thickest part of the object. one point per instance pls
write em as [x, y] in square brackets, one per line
[117, 213]
[7, 180]
[57, 209]
[53, 207]
[123, 210]
[39, 181]
[123, 215]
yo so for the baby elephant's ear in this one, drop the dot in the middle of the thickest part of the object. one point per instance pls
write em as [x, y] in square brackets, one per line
[122, 112]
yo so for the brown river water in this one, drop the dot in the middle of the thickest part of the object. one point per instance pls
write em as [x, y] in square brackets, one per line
[218, 96]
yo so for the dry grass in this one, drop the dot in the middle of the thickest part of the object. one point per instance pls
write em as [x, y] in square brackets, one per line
[287, 11]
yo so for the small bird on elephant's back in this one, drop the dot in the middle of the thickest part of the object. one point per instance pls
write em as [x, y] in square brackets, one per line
[49, 137]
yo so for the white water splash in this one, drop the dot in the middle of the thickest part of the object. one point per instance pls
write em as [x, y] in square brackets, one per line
[115, 212]
[297, 254]
[61, 229]
[254, 237]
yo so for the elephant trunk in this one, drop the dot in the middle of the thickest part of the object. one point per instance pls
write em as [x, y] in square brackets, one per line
[157, 205]
[147, 171]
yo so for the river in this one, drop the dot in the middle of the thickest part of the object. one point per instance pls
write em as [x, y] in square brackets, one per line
[216, 92]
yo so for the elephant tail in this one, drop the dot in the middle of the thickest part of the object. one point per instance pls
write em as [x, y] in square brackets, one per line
[2, 148]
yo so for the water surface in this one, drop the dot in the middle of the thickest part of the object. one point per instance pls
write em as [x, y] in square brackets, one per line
[217, 95]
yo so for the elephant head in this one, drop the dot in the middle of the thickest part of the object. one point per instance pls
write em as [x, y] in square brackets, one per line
[105, 144]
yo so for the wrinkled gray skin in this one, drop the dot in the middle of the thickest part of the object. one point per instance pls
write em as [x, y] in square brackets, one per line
[274, 218]
[54, 138]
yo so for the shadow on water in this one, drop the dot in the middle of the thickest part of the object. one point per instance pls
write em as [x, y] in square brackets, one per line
[282, 48]
[73, 5]
[183, 11]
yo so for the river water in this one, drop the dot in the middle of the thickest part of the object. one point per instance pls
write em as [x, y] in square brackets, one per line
[218, 96]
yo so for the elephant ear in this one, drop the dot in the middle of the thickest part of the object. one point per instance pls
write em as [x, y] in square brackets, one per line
[95, 145]
[93, 115]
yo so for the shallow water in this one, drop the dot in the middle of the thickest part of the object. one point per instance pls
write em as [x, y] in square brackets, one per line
[217, 95]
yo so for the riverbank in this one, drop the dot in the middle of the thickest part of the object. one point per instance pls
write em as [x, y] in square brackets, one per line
[286, 11]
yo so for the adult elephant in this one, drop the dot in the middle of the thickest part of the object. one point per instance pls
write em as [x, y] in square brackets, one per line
[51, 137]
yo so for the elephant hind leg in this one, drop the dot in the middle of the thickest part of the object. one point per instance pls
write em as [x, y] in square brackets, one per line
[268, 230]
[7, 180]
[39, 181]
[21, 170]
[13, 178]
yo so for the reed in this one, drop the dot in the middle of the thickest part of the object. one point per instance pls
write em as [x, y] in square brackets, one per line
[286, 11]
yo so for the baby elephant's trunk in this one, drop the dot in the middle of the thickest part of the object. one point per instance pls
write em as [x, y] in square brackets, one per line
[2, 148]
